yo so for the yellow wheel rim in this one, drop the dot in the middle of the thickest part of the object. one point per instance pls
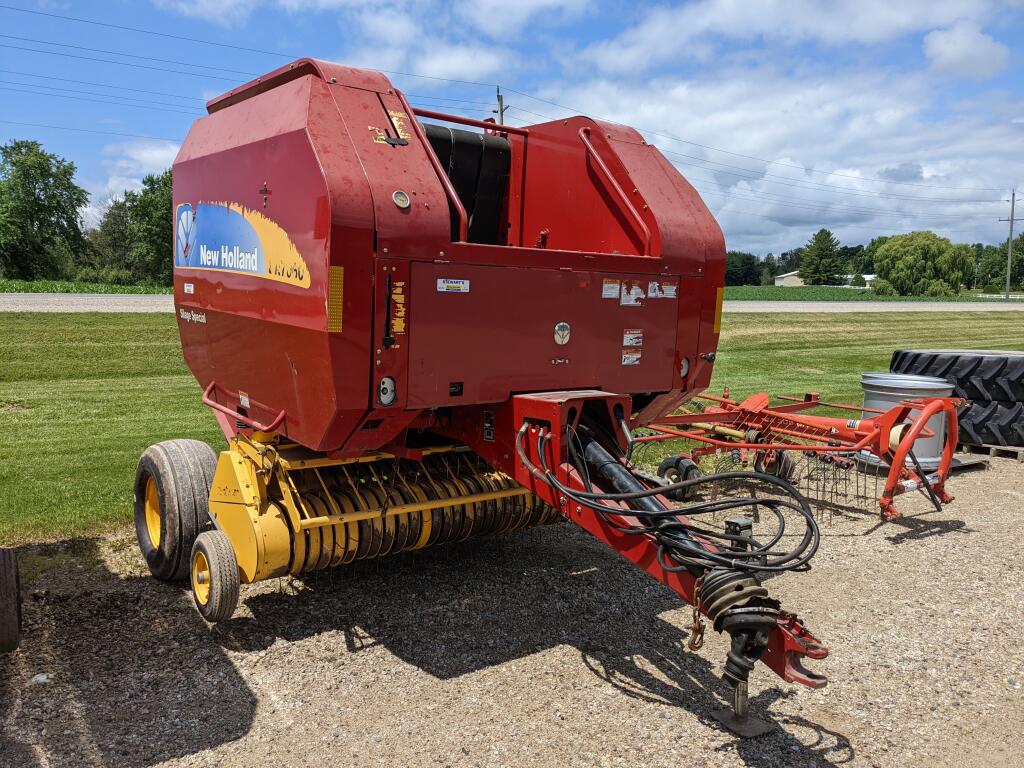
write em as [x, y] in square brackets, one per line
[201, 578]
[152, 512]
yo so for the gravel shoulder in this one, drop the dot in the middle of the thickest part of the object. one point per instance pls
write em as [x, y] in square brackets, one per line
[542, 648]
[98, 302]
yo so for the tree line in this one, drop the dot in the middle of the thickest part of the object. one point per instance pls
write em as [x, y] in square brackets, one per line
[42, 237]
[913, 264]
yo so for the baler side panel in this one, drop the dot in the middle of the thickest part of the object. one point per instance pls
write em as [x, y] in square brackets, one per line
[260, 331]
[486, 332]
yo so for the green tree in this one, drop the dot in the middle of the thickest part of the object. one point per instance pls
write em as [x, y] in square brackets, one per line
[858, 281]
[992, 264]
[819, 262]
[913, 261]
[741, 268]
[867, 256]
[110, 244]
[134, 242]
[883, 287]
[40, 227]
[152, 230]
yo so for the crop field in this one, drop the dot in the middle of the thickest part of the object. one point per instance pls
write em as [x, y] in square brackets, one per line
[84, 395]
[73, 286]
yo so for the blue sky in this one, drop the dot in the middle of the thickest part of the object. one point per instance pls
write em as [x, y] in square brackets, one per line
[868, 117]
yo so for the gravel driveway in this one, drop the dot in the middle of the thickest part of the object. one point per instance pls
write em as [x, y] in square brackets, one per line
[90, 302]
[534, 649]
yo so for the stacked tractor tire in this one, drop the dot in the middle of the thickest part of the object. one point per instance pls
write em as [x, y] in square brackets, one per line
[991, 381]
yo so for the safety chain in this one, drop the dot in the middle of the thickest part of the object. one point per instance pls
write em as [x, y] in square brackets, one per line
[696, 641]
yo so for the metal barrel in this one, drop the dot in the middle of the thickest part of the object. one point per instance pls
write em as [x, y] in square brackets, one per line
[883, 390]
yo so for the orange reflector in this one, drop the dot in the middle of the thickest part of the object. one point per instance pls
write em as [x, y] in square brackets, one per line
[335, 297]
[718, 309]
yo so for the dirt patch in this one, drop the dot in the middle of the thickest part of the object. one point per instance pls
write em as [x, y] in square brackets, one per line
[13, 406]
[542, 648]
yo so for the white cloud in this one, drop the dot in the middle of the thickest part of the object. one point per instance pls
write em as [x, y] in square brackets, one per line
[502, 19]
[667, 34]
[964, 49]
[863, 126]
[126, 163]
[227, 13]
[413, 47]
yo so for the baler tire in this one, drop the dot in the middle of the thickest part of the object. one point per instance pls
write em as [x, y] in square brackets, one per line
[10, 601]
[172, 493]
[993, 423]
[213, 558]
[975, 375]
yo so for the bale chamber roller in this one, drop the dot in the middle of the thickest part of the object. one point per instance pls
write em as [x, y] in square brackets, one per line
[412, 334]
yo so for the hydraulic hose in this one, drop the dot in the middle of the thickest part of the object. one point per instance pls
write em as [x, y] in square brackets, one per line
[728, 587]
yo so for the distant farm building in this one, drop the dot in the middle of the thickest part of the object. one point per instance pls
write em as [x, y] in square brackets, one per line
[789, 279]
[792, 280]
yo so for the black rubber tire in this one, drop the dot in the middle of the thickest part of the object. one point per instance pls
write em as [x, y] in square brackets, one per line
[216, 547]
[676, 469]
[10, 601]
[782, 465]
[993, 423]
[183, 473]
[975, 375]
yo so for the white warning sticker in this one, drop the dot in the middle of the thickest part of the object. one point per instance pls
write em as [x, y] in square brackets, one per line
[243, 400]
[452, 285]
[609, 289]
[631, 356]
[633, 337]
[662, 290]
[190, 288]
[632, 294]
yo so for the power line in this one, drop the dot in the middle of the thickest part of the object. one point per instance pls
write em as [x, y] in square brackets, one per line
[131, 64]
[758, 175]
[755, 175]
[140, 30]
[99, 85]
[99, 101]
[86, 130]
[129, 55]
[753, 157]
[221, 44]
[88, 93]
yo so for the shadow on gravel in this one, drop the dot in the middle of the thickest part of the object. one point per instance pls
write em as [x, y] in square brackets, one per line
[135, 678]
[917, 528]
[463, 608]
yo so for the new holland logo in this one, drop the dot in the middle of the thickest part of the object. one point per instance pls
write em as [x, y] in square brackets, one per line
[562, 333]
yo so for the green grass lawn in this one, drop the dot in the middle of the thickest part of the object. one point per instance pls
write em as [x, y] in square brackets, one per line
[824, 293]
[82, 395]
[70, 286]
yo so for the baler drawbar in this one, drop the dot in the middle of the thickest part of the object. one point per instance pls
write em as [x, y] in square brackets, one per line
[412, 334]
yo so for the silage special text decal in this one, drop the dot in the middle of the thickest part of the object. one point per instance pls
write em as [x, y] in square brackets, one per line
[228, 237]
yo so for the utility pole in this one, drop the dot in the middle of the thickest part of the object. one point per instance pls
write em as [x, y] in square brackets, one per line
[500, 111]
[1009, 242]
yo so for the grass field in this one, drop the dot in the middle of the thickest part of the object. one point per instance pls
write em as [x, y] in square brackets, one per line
[732, 293]
[81, 396]
[69, 286]
[824, 293]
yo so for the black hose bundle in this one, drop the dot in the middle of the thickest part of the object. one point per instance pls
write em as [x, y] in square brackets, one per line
[726, 564]
[678, 544]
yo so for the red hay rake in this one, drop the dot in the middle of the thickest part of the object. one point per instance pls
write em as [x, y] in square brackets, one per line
[755, 432]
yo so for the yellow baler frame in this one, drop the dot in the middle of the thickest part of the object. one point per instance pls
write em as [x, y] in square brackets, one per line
[269, 535]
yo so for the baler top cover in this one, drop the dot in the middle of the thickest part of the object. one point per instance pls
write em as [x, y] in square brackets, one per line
[344, 273]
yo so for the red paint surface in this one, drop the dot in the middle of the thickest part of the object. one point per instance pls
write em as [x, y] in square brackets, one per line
[310, 141]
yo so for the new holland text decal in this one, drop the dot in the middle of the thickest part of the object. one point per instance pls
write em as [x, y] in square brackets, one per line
[227, 237]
